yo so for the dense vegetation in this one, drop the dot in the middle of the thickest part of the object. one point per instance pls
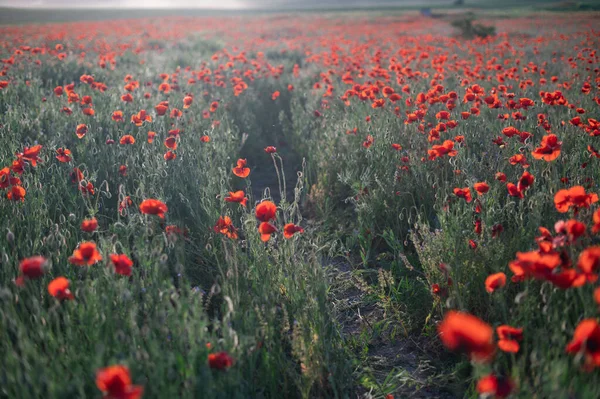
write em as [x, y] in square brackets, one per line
[203, 207]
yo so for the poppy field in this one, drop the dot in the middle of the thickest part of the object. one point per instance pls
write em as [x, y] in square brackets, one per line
[300, 206]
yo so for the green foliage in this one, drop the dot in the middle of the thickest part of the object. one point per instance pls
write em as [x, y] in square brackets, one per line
[469, 30]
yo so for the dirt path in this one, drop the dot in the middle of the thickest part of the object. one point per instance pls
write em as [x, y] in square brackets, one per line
[395, 364]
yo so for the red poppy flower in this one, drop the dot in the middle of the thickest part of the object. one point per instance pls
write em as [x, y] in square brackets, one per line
[117, 116]
[141, 117]
[237, 196]
[481, 188]
[16, 193]
[115, 383]
[549, 149]
[220, 361]
[225, 226]
[270, 149]
[153, 207]
[169, 156]
[586, 340]
[171, 143]
[464, 332]
[85, 255]
[290, 229]
[463, 193]
[265, 211]
[81, 130]
[89, 225]
[31, 268]
[187, 101]
[59, 288]
[266, 229]
[151, 136]
[574, 197]
[494, 386]
[495, 281]
[534, 264]
[63, 155]
[509, 338]
[127, 139]
[31, 154]
[122, 264]
[240, 170]
[589, 262]
[525, 181]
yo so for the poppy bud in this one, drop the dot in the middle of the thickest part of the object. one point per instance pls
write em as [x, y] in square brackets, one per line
[10, 237]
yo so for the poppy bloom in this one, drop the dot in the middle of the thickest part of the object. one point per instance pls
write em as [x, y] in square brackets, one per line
[169, 156]
[89, 225]
[437, 151]
[161, 109]
[171, 143]
[368, 141]
[16, 193]
[153, 207]
[141, 117]
[464, 332]
[127, 139]
[500, 176]
[396, 146]
[266, 229]
[275, 95]
[495, 281]
[495, 386]
[63, 155]
[481, 188]
[240, 170]
[151, 136]
[117, 116]
[6, 180]
[187, 101]
[220, 361]
[463, 193]
[81, 130]
[214, 106]
[574, 197]
[265, 211]
[589, 262]
[237, 196]
[549, 149]
[596, 219]
[290, 229]
[225, 226]
[31, 268]
[76, 175]
[270, 149]
[115, 383]
[525, 181]
[122, 264]
[534, 264]
[31, 154]
[586, 340]
[85, 255]
[123, 170]
[59, 288]
[509, 338]
[514, 191]
[205, 138]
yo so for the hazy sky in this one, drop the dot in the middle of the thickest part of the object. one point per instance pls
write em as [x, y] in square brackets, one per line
[218, 4]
